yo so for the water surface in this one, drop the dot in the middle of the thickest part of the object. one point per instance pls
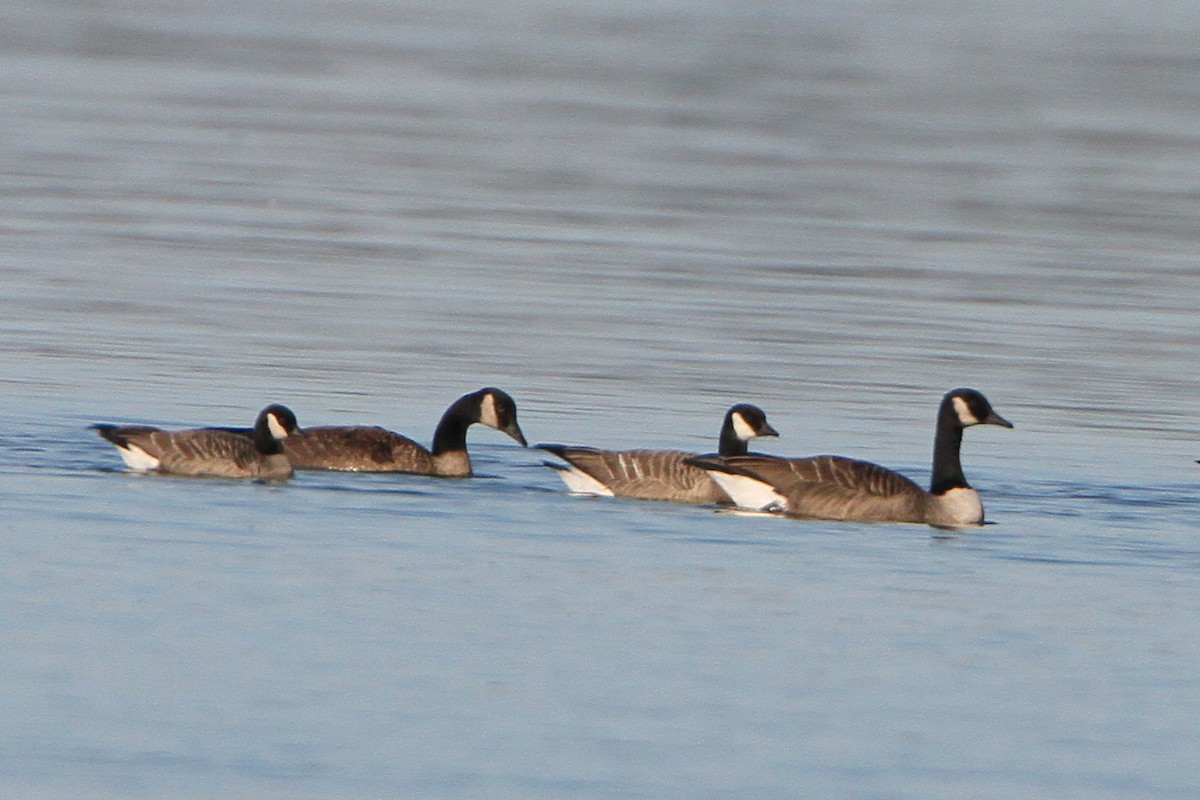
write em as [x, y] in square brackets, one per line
[629, 217]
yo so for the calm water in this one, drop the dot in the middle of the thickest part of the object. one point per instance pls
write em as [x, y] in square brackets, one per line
[629, 216]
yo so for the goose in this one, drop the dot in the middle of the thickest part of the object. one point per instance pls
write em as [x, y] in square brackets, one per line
[656, 474]
[362, 448]
[834, 487]
[210, 452]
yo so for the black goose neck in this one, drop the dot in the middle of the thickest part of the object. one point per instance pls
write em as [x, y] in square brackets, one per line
[730, 444]
[451, 432]
[947, 464]
[264, 441]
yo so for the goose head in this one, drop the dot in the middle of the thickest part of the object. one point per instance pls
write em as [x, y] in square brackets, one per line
[966, 407]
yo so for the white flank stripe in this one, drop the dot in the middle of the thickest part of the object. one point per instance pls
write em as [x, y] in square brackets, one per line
[579, 482]
[137, 458]
[747, 492]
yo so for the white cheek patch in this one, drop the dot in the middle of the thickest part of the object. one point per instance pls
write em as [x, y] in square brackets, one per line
[743, 429]
[276, 427]
[487, 411]
[964, 412]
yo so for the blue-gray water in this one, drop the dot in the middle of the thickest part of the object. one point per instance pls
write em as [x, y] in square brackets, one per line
[629, 216]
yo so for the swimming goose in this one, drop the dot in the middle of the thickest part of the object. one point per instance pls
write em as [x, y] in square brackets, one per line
[373, 449]
[833, 487]
[210, 452]
[656, 474]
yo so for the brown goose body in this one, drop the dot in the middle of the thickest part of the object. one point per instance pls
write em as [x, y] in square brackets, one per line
[839, 488]
[640, 474]
[208, 452]
[373, 449]
[645, 474]
[365, 449]
[828, 487]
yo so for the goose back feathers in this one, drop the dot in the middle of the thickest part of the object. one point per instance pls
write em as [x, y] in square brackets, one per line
[656, 474]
